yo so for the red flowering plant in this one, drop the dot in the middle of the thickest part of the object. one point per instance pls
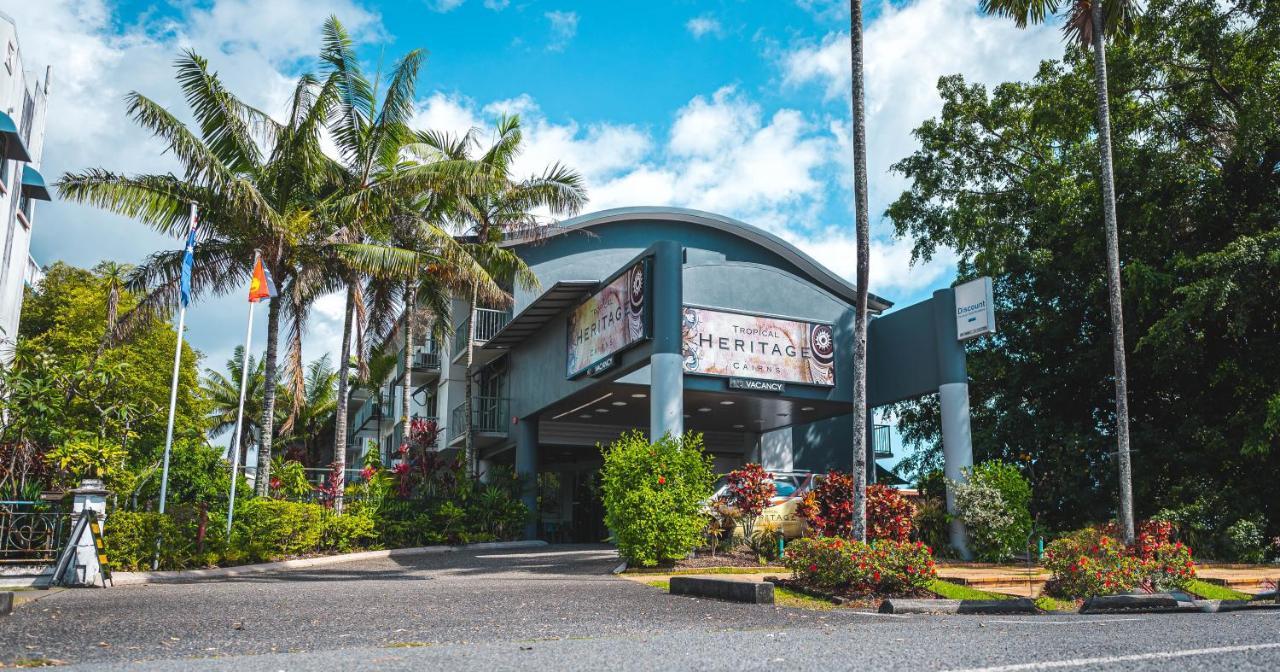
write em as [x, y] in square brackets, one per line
[828, 509]
[327, 493]
[1093, 562]
[885, 567]
[750, 490]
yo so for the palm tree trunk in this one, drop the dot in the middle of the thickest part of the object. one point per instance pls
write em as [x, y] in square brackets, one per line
[410, 307]
[263, 475]
[340, 411]
[863, 244]
[1113, 274]
[468, 440]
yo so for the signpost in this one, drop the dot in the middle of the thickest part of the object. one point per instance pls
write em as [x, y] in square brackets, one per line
[975, 309]
[610, 321]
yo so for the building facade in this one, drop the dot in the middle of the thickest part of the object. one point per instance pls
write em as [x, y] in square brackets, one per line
[665, 320]
[23, 98]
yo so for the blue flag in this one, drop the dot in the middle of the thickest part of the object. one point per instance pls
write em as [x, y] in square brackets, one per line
[188, 260]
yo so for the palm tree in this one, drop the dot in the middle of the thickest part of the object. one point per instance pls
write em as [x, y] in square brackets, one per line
[316, 410]
[256, 181]
[1088, 24]
[862, 229]
[222, 391]
[114, 276]
[498, 208]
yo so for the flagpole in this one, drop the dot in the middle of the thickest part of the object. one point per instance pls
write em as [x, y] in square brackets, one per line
[173, 402]
[235, 440]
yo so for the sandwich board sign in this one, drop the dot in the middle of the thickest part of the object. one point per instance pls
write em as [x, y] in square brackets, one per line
[975, 309]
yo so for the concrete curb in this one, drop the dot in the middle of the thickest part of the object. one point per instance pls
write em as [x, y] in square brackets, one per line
[1144, 604]
[184, 575]
[751, 592]
[978, 607]
[1219, 606]
[6, 603]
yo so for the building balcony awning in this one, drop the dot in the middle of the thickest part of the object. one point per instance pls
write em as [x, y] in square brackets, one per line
[11, 140]
[561, 295]
[33, 184]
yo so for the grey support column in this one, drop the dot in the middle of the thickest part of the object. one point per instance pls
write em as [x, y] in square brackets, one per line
[953, 398]
[666, 364]
[527, 470]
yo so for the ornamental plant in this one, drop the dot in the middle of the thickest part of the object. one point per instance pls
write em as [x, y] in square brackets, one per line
[750, 490]
[654, 495]
[883, 567]
[828, 509]
[994, 505]
[1091, 562]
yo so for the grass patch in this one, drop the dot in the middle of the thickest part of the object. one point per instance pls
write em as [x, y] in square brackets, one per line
[1046, 603]
[406, 645]
[38, 662]
[762, 569]
[661, 584]
[1210, 591]
[784, 597]
[955, 591]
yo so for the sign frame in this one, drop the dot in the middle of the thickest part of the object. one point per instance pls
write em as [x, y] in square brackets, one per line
[769, 316]
[975, 309]
[594, 367]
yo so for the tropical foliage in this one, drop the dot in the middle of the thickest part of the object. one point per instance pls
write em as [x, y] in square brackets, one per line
[855, 568]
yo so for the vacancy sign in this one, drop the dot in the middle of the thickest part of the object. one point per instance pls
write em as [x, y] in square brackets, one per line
[975, 309]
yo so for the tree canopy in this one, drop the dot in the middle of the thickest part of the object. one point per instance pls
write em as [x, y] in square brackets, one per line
[1008, 179]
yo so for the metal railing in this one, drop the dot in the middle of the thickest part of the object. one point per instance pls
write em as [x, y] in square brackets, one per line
[488, 415]
[488, 323]
[367, 412]
[882, 442]
[29, 536]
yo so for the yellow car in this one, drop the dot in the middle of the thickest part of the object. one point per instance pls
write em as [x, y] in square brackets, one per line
[791, 488]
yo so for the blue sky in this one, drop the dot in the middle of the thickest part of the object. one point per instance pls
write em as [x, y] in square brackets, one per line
[731, 106]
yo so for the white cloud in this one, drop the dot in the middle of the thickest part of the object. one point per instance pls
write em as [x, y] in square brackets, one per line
[97, 58]
[444, 6]
[564, 26]
[496, 5]
[706, 24]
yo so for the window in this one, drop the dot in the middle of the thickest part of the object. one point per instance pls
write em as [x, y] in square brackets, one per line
[25, 205]
[10, 55]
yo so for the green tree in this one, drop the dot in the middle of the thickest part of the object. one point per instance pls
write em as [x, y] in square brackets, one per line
[1008, 179]
[1089, 23]
[316, 410]
[222, 390]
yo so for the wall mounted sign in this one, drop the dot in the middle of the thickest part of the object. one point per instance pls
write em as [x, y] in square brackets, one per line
[601, 366]
[753, 385]
[721, 343]
[610, 321]
[975, 309]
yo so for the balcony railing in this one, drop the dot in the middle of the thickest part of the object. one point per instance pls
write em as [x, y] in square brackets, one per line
[488, 415]
[882, 442]
[488, 323]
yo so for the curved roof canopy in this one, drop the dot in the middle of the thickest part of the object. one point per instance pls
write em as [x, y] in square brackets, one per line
[11, 145]
[816, 271]
[33, 184]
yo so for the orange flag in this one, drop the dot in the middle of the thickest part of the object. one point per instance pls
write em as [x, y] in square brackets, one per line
[261, 287]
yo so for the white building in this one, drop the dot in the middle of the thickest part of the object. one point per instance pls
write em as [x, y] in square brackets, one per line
[22, 118]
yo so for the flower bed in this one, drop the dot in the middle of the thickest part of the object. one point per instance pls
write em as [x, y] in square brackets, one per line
[1091, 562]
[855, 569]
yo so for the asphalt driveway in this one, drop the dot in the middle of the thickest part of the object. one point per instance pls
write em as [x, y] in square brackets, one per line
[559, 608]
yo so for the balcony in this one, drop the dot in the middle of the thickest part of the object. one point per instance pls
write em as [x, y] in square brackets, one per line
[882, 442]
[488, 323]
[397, 434]
[489, 419]
[366, 418]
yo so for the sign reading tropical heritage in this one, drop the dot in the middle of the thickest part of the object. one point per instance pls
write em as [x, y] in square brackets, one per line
[612, 320]
[975, 309]
[719, 343]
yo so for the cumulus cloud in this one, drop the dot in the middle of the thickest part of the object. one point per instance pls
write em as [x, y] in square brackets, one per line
[563, 28]
[706, 24]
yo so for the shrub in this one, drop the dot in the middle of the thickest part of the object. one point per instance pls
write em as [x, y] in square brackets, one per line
[889, 514]
[347, 532]
[496, 511]
[1246, 540]
[750, 491]
[828, 509]
[993, 505]
[654, 495]
[130, 539]
[1090, 562]
[883, 567]
[269, 529]
[289, 480]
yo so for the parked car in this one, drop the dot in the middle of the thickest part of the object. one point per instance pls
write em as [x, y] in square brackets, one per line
[791, 488]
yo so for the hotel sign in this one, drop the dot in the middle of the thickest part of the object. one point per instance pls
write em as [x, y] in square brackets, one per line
[612, 320]
[975, 310]
[720, 343]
